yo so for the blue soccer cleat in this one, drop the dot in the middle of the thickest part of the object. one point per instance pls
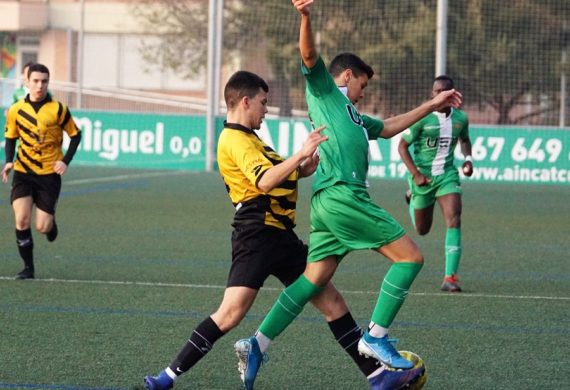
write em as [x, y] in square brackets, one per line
[160, 382]
[395, 380]
[250, 360]
[381, 348]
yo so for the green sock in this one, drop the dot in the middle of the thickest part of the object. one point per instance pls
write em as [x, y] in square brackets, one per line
[452, 250]
[393, 292]
[289, 305]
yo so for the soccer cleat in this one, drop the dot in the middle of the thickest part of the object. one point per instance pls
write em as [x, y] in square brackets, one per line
[52, 234]
[26, 273]
[250, 360]
[408, 196]
[160, 382]
[381, 348]
[395, 380]
[450, 284]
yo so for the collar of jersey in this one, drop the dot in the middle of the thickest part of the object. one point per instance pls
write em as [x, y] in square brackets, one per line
[46, 99]
[237, 126]
[442, 114]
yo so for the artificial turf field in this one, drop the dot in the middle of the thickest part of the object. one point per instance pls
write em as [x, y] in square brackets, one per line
[143, 256]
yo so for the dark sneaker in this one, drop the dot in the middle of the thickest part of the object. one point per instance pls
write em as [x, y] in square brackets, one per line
[395, 380]
[408, 196]
[52, 234]
[381, 348]
[250, 360]
[160, 382]
[450, 284]
[26, 273]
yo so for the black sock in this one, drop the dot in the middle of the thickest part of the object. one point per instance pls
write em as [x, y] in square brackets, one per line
[199, 344]
[26, 247]
[347, 333]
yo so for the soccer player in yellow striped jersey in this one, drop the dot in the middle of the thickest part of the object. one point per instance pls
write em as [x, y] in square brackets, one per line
[433, 175]
[262, 186]
[37, 122]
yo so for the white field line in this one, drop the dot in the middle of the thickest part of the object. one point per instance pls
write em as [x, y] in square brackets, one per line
[221, 287]
[125, 177]
[183, 285]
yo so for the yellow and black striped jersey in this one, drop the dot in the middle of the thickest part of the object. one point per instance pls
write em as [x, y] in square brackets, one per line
[39, 127]
[243, 158]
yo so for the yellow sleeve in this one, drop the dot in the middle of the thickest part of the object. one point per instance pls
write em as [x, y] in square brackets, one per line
[67, 123]
[11, 130]
[250, 159]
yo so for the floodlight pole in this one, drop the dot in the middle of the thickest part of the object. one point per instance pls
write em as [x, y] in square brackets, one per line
[441, 38]
[80, 36]
[564, 59]
[214, 60]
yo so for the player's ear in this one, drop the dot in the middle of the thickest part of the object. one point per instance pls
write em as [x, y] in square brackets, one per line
[347, 76]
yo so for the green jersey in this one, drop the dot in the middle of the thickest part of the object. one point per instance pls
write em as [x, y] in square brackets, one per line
[344, 157]
[19, 93]
[434, 139]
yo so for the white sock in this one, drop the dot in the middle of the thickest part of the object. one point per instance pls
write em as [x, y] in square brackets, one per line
[376, 330]
[170, 373]
[263, 341]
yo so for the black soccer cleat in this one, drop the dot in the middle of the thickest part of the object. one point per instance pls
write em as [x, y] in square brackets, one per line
[52, 234]
[26, 273]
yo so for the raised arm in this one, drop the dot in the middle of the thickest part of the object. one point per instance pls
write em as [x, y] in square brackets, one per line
[307, 45]
[399, 123]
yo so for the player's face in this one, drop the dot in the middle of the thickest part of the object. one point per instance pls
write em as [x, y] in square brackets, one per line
[438, 87]
[258, 109]
[38, 85]
[356, 87]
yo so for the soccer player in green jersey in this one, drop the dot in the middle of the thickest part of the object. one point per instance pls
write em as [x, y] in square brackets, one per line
[343, 216]
[22, 90]
[433, 175]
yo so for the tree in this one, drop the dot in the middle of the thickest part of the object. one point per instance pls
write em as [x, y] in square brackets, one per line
[507, 54]
[501, 54]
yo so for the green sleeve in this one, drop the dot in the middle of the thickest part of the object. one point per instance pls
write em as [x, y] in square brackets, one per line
[373, 126]
[410, 134]
[319, 80]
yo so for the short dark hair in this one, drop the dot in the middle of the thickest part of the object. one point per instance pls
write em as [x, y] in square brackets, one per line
[446, 81]
[37, 68]
[350, 61]
[27, 65]
[243, 83]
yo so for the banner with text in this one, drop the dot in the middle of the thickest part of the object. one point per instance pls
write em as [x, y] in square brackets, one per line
[500, 154]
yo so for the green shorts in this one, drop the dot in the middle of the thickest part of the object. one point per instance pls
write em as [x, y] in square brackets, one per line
[344, 219]
[425, 196]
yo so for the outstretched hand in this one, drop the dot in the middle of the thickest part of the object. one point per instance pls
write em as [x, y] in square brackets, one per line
[312, 142]
[303, 6]
[450, 98]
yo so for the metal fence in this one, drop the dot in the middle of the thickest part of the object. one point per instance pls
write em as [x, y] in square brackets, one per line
[509, 58]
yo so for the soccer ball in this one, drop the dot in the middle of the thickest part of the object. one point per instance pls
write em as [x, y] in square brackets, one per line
[418, 362]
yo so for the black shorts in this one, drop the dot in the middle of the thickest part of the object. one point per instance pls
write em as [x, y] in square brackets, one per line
[44, 189]
[260, 251]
